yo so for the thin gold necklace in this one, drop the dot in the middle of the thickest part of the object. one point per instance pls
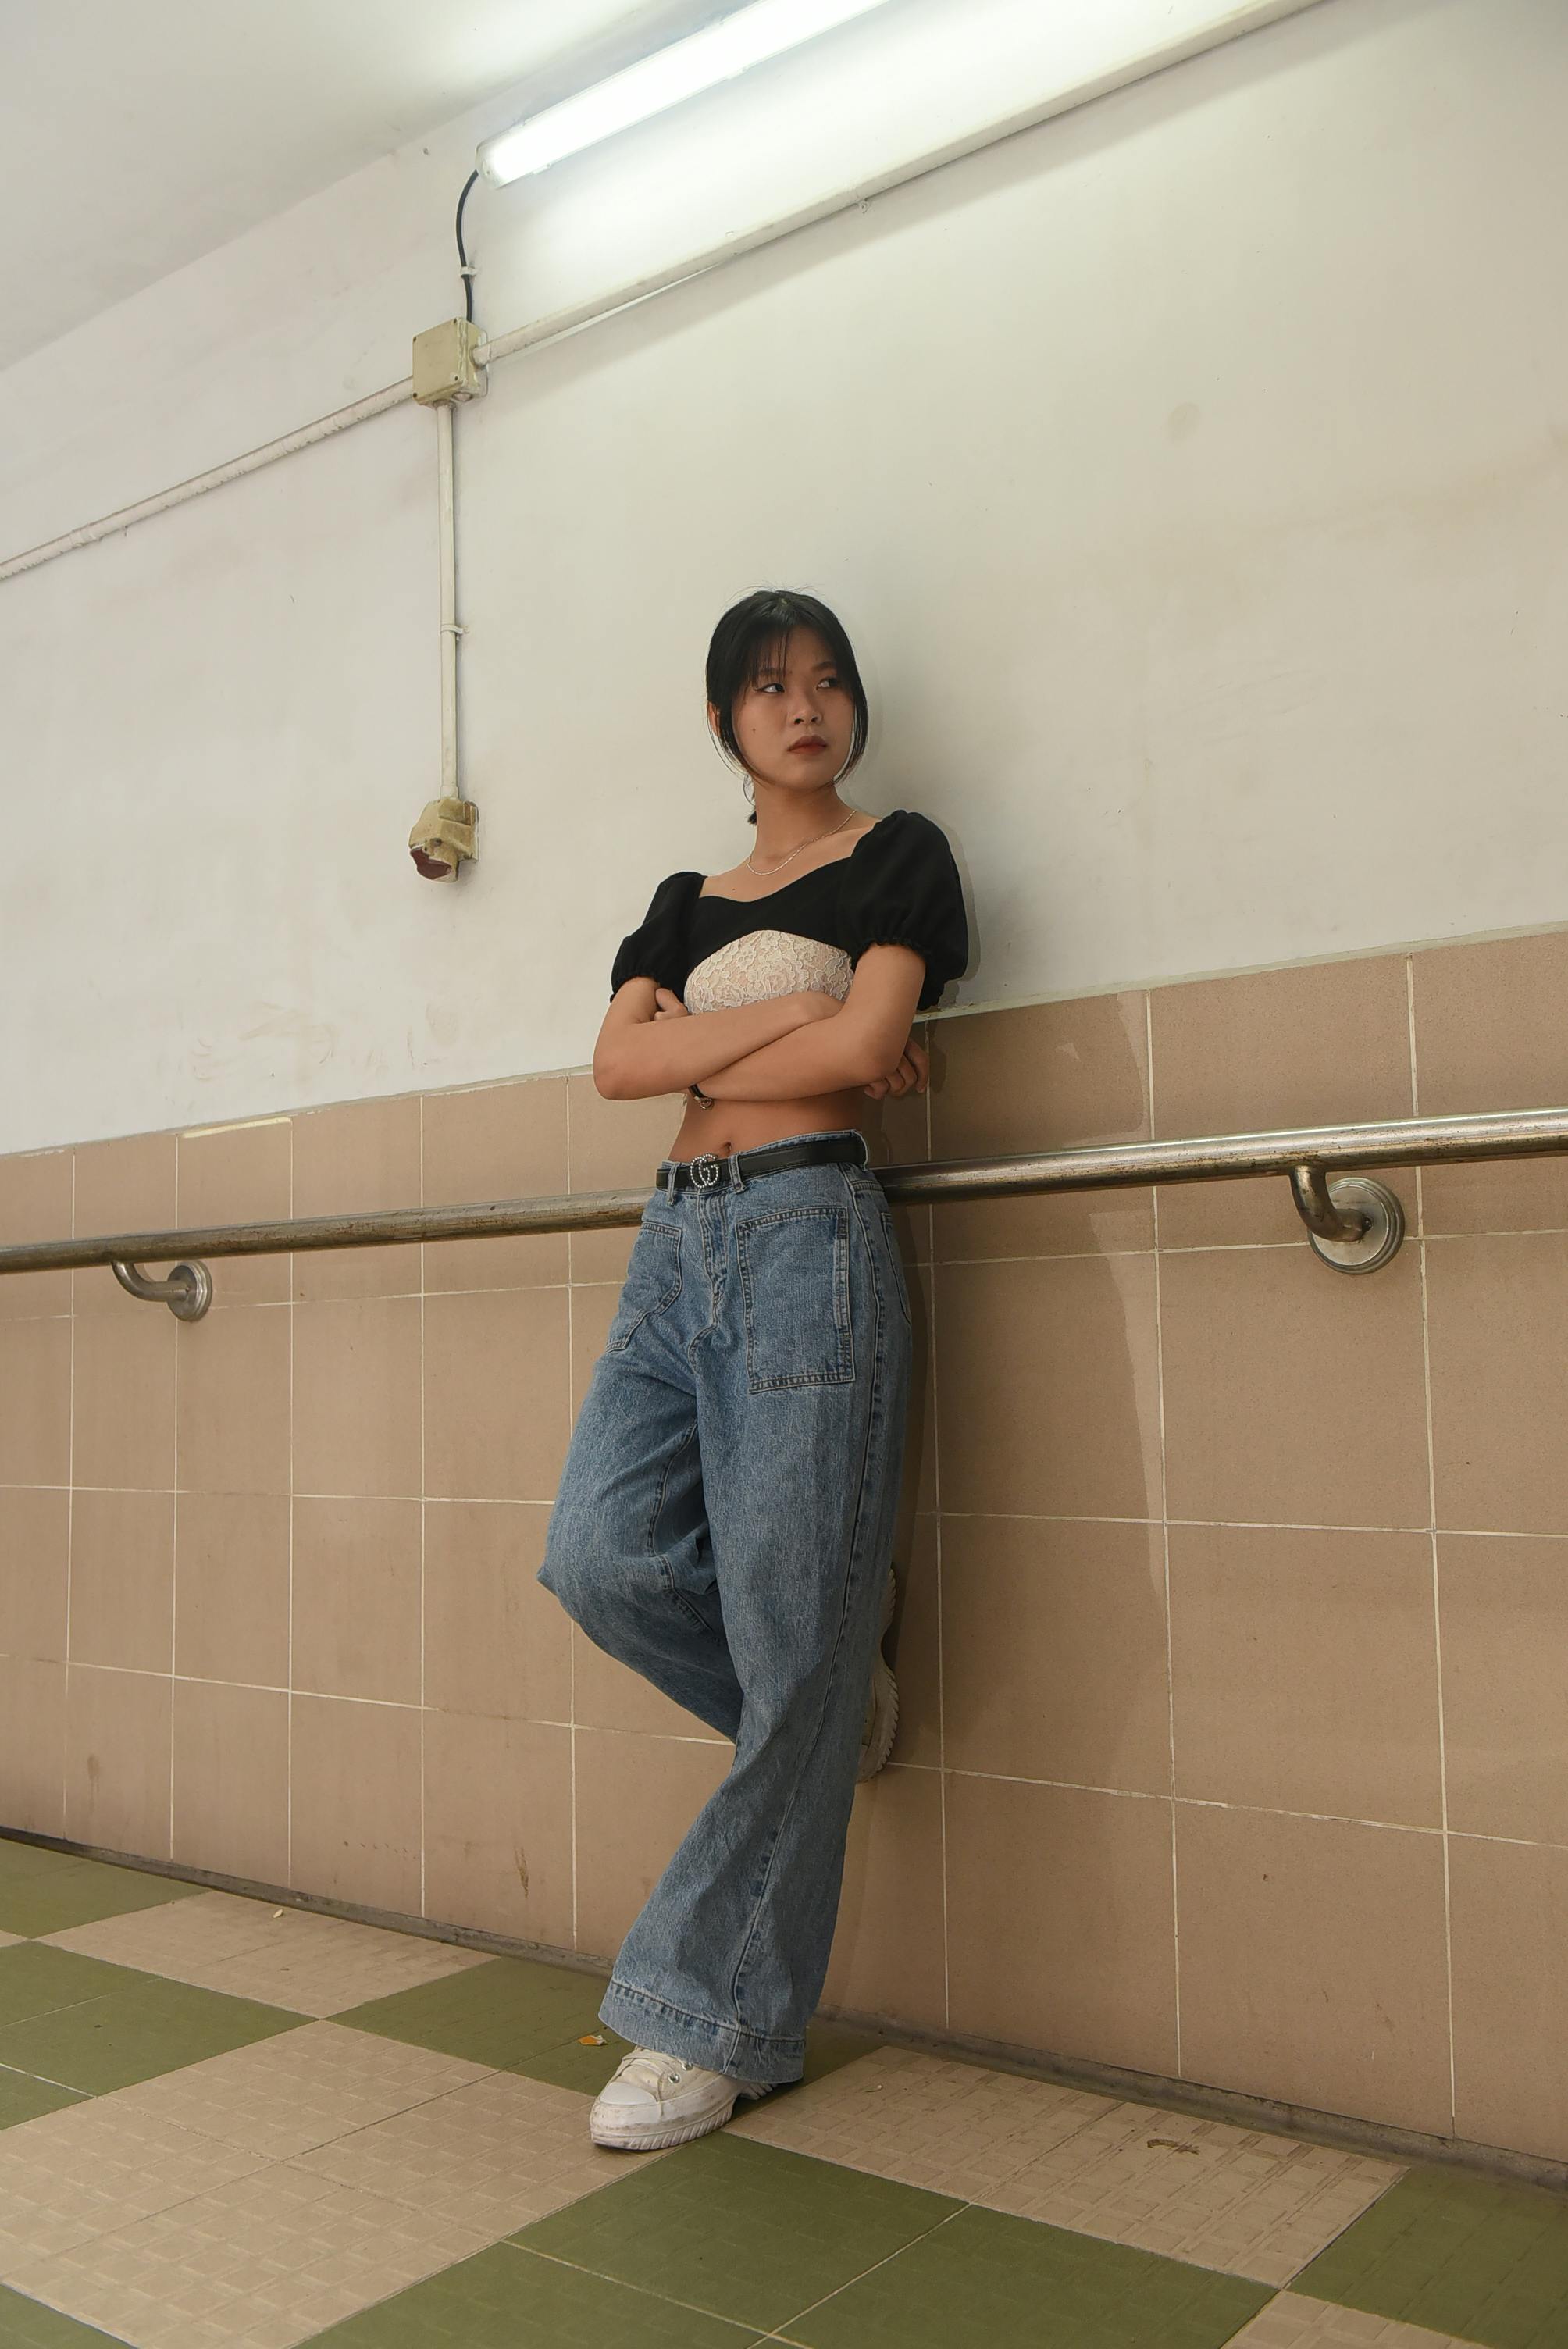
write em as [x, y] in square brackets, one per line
[805, 844]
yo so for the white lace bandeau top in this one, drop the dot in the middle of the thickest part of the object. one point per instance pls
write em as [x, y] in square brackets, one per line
[764, 964]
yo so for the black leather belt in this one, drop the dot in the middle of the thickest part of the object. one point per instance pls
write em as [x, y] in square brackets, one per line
[705, 1171]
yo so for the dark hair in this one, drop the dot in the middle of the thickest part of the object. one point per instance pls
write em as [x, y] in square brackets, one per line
[752, 630]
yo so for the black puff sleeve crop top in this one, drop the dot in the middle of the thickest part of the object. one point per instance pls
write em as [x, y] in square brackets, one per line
[898, 886]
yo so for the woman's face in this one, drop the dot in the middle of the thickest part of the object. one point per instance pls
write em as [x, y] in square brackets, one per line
[795, 724]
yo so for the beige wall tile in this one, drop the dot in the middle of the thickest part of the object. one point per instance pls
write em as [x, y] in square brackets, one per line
[1313, 1966]
[124, 1185]
[1060, 1931]
[1044, 1077]
[123, 1388]
[356, 1397]
[36, 1381]
[353, 1783]
[496, 1643]
[887, 1955]
[1509, 1904]
[1046, 1393]
[357, 1158]
[592, 1309]
[915, 1647]
[231, 1588]
[35, 1545]
[500, 1142]
[232, 1780]
[241, 1174]
[117, 1760]
[33, 1745]
[35, 1204]
[1317, 1044]
[1504, 1613]
[608, 1694]
[1053, 1650]
[1293, 1394]
[498, 1826]
[357, 1572]
[614, 1146]
[1499, 1382]
[637, 1799]
[921, 1433]
[1489, 1023]
[1305, 1672]
[122, 1580]
[234, 1400]
[496, 1395]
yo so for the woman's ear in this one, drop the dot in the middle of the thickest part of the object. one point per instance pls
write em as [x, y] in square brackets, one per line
[713, 716]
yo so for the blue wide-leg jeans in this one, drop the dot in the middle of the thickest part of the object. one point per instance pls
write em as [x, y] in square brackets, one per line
[724, 1525]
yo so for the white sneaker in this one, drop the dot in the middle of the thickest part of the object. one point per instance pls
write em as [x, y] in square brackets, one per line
[882, 1706]
[652, 2099]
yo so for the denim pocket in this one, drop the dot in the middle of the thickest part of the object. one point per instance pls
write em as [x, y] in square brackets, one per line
[794, 1265]
[653, 1281]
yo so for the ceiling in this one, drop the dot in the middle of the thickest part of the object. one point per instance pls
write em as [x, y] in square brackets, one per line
[137, 135]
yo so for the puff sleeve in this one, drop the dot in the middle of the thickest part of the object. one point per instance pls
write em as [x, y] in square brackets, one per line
[657, 948]
[902, 889]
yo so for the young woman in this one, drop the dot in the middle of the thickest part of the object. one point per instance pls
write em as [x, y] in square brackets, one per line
[723, 1522]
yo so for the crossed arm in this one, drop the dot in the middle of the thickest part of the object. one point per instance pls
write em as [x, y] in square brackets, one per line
[784, 1049]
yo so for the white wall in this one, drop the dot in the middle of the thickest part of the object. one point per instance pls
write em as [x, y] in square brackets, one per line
[1192, 472]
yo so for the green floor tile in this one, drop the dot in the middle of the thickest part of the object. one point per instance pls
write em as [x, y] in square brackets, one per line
[35, 1981]
[28, 2324]
[22, 2098]
[46, 1891]
[510, 2299]
[739, 2229]
[511, 2013]
[1015, 2284]
[135, 2034]
[1458, 2254]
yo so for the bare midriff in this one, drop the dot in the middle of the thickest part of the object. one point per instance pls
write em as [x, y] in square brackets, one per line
[734, 1125]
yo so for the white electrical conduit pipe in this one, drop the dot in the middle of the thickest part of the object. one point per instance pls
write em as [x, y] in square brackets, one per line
[1247, 17]
[446, 526]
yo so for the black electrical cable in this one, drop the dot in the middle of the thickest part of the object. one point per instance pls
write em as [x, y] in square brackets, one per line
[462, 253]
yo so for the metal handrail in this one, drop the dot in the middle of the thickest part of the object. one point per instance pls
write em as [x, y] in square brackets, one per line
[1354, 1225]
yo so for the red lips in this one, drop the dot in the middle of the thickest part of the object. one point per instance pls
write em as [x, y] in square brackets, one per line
[809, 742]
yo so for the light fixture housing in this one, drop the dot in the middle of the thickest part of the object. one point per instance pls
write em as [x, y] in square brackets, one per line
[765, 29]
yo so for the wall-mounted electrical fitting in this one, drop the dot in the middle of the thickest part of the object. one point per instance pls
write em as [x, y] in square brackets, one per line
[446, 373]
[445, 367]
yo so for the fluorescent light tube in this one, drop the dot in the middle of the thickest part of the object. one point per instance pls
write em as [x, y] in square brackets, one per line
[717, 53]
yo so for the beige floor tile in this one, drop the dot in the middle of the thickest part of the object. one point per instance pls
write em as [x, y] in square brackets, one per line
[94, 2169]
[266, 2261]
[287, 2095]
[293, 1958]
[1294, 2322]
[493, 2156]
[1225, 2197]
[925, 2120]
[1232, 2198]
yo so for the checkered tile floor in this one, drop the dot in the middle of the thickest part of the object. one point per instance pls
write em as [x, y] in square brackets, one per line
[223, 2124]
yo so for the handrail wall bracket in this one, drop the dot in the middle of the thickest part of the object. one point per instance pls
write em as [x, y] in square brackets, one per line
[1354, 1225]
[187, 1292]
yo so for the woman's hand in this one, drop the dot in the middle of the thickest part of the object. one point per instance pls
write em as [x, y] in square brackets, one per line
[913, 1071]
[667, 1005]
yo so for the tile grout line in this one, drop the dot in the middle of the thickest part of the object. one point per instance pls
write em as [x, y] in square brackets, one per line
[70, 1517]
[571, 1626]
[174, 1525]
[424, 1512]
[1165, 1548]
[1437, 1598]
[289, 1654]
[940, 1642]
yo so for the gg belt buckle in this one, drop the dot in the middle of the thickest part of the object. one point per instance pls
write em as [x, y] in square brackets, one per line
[704, 1170]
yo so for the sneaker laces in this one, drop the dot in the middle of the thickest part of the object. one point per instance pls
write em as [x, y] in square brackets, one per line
[652, 2070]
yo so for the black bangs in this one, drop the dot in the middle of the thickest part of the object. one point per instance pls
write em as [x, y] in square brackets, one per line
[754, 634]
